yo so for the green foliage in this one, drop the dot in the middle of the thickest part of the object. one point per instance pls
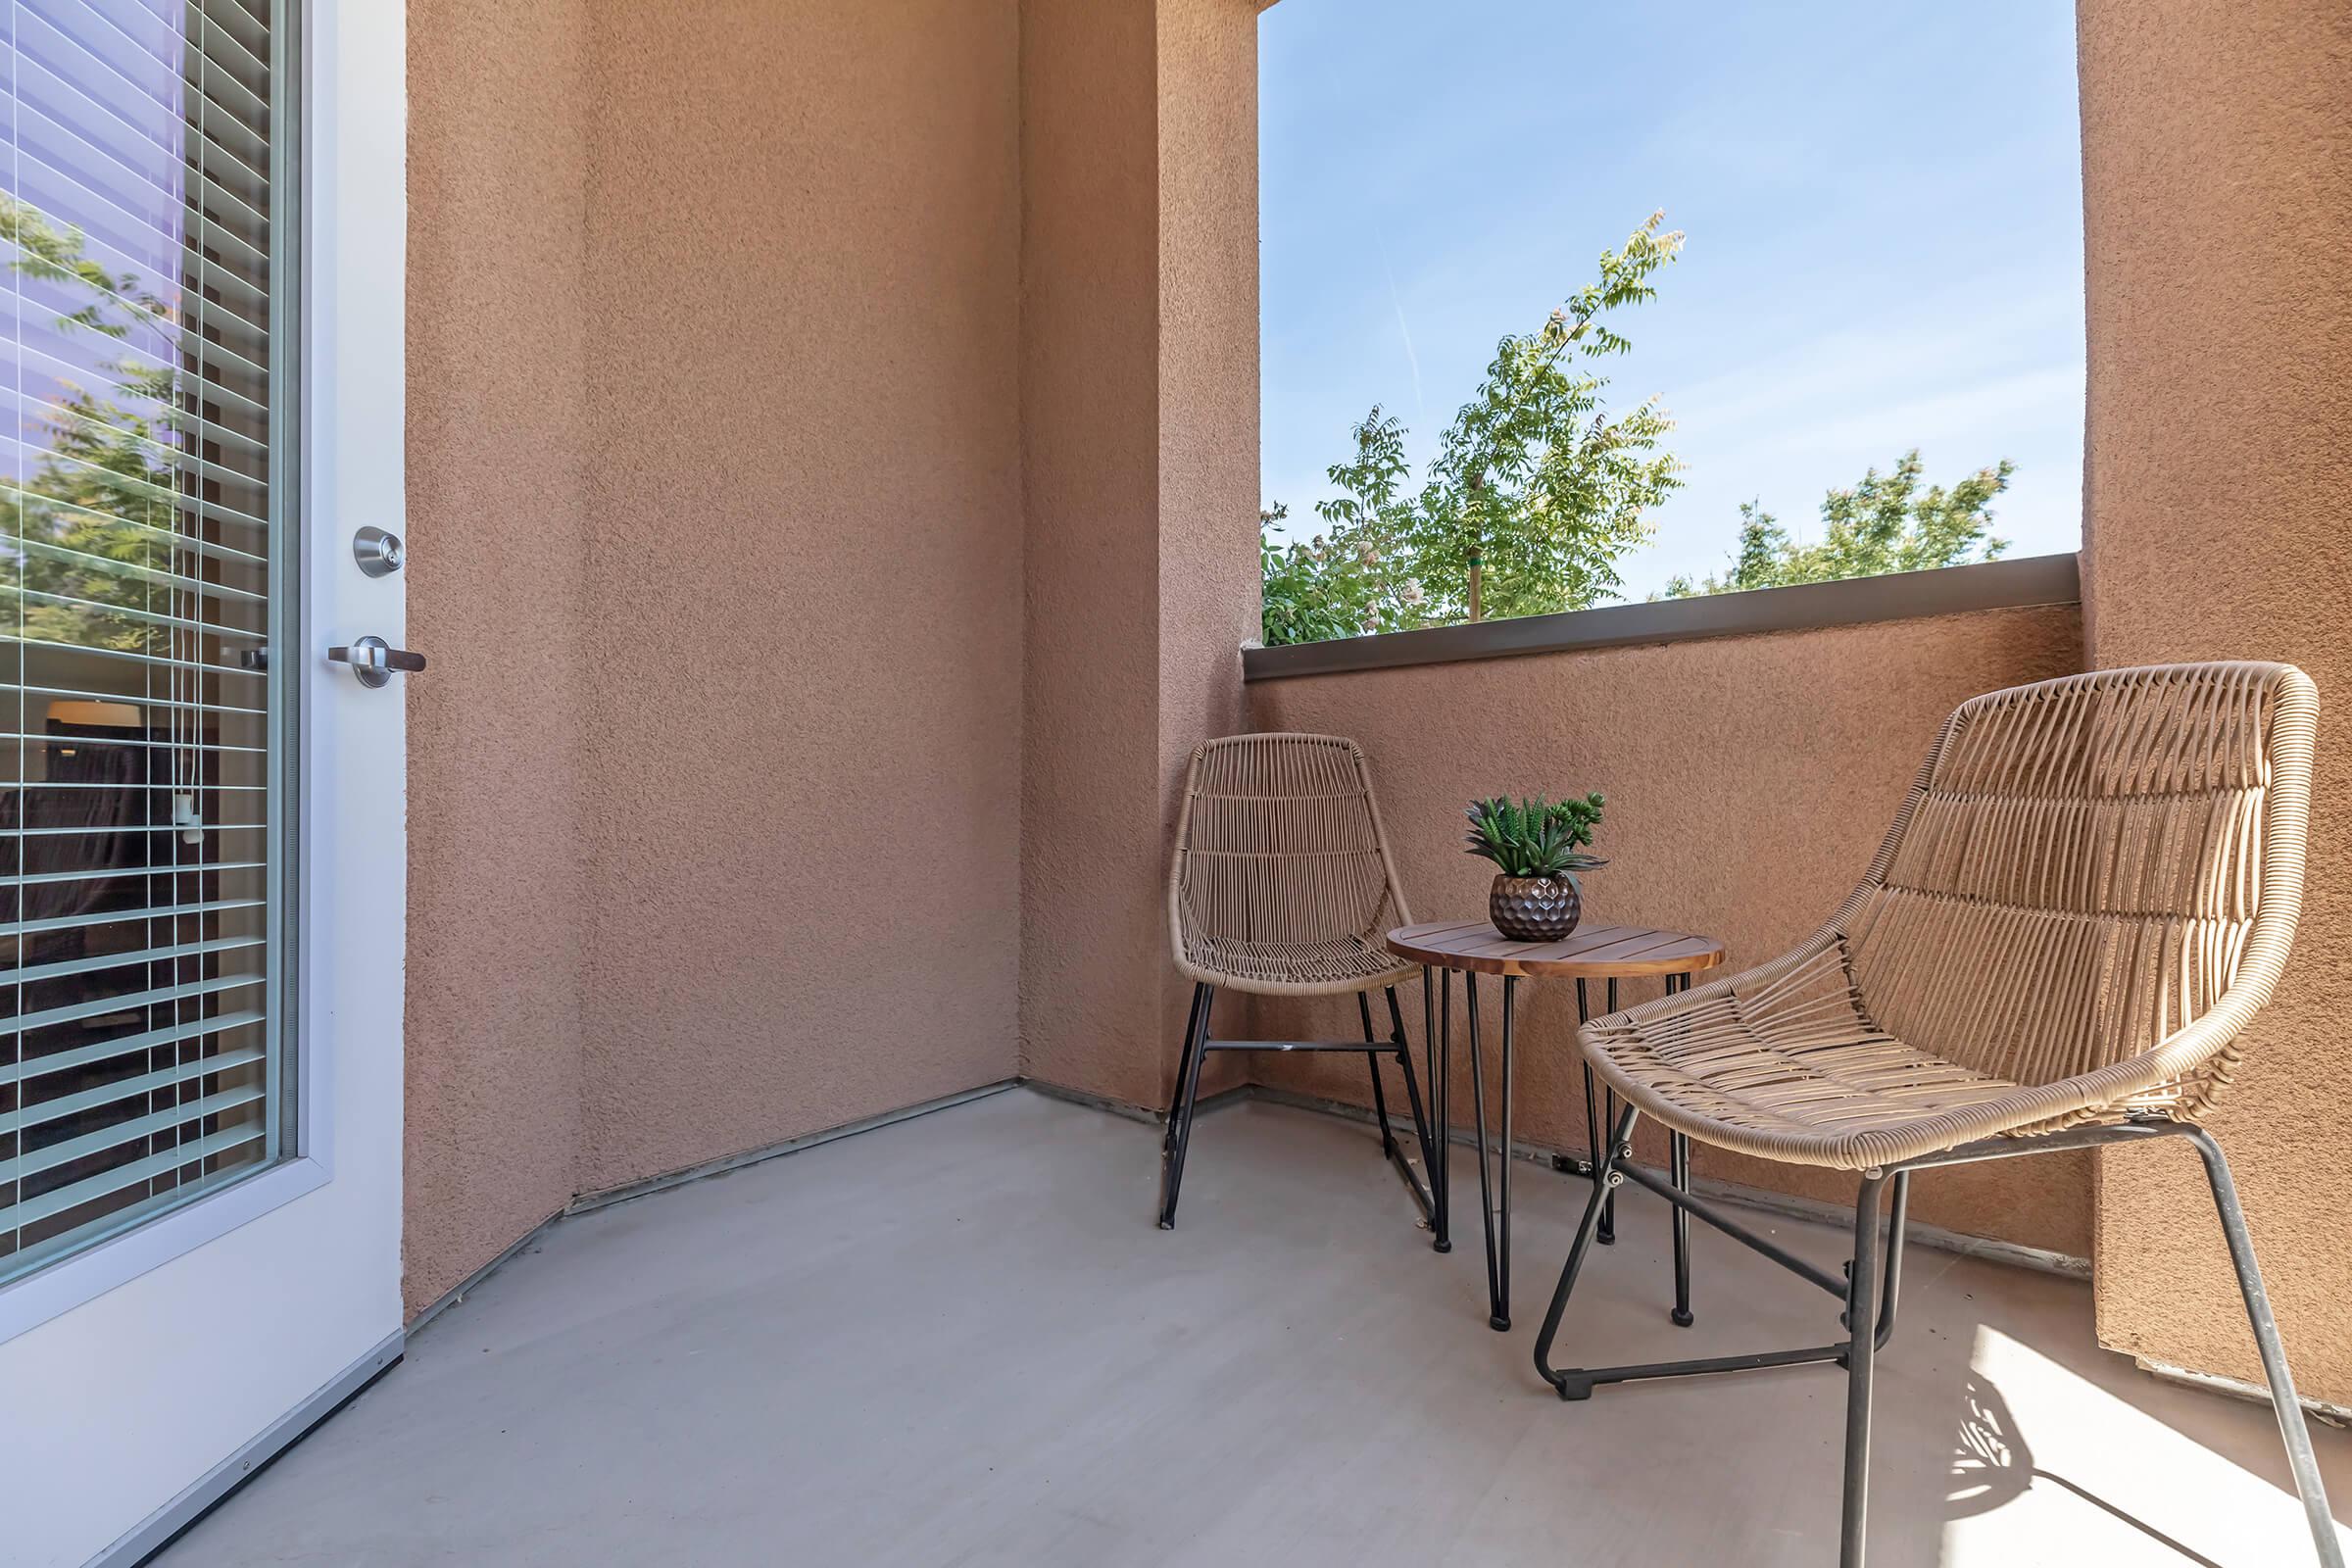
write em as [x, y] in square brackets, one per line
[1535, 837]
[1335, 586]
[1536, 491]
[1885, 523]
[100, 502]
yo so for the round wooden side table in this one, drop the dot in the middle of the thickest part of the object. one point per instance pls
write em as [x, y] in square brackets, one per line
[1604, 953]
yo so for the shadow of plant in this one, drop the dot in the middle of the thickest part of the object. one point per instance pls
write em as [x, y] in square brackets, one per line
[1991, 1465]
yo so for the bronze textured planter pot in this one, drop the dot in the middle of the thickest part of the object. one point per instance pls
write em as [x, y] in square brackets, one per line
[1535, 908]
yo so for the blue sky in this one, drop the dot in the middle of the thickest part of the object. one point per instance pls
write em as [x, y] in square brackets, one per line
[1884, 211]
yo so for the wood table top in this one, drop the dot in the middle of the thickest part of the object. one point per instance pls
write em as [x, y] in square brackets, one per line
[1588, 952]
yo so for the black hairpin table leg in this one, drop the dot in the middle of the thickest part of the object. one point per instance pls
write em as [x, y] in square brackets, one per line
[1493, 1187]
[1597, 1121]
[1600, 1113]
[1437, 997]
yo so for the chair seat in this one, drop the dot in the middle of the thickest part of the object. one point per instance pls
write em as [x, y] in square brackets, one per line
[1331, 966]
[1788, 1066]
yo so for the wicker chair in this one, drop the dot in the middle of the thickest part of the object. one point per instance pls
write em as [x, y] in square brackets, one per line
[2088, 894]
[1283, 886]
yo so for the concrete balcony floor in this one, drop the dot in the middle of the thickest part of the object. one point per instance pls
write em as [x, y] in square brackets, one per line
[960, 1341]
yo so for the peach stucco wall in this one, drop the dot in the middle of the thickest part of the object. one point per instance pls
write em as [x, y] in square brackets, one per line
[805, 552]
[1089, 463]
[498, 755]
[1139, 400]
[2216, 140]
[715, 507]
[788, 380]
[1749, 781]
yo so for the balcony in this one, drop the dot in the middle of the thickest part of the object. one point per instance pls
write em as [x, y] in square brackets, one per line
[826, 439]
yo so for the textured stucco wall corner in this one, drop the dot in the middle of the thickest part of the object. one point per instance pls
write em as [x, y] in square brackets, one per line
[715, 505]
[1089, 436]
[1209, 420]
[804, 250]
[2217, 212]
[1751, 780]
[1139, 403]
[498, 100]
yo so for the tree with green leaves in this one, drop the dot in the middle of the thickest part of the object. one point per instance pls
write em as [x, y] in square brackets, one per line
[1321, 588]
[1536, 491]
[98, 504]
[1885, 523]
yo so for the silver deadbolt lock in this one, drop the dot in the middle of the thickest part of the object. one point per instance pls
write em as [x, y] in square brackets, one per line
[380, 552]
[374, 661]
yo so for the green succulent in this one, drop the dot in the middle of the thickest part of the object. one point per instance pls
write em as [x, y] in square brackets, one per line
[1535, 837]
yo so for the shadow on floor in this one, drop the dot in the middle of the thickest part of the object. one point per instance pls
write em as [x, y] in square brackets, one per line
[1992, 1466]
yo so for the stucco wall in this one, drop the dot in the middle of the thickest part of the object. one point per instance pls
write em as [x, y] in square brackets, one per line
[715, 501]
[1208, 425]
[804, 568]
[2217, 146]
[498, 98]
[1089, 454]
[1749, 781]
[1139, 388]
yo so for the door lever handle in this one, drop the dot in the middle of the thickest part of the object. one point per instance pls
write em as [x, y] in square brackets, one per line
[374, 661]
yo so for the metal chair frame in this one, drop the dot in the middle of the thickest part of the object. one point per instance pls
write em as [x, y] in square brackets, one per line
[1869, 1290]
[1252, 909]
[2090, 891]
[1198, 1042]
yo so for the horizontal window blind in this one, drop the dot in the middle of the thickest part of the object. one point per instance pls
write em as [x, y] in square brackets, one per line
[142, 580]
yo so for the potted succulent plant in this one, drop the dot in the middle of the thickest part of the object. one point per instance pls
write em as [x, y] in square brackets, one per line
[1537, 844]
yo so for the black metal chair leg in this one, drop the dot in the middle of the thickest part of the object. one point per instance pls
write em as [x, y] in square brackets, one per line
[1413, 1085]
[1608, 1117]
[2289, 1409]
[1872, 1288]
[1605, 1180]
[1380, 1098]
[1184, 1068]
[1899, 1221]
[1861, 1354]
[1394, 1045]
[1180, 1110]
[1678, 1171]
[1594, 1125]
[1678, 1158]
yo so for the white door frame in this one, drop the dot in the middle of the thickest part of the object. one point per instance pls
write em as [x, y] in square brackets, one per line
[142, 1379]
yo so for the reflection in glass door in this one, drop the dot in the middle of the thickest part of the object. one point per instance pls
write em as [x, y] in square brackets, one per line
[143, 730]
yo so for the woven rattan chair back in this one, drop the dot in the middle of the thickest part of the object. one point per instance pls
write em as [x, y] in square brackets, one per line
[2088, 892]
[1283, 883]
[2092, 868]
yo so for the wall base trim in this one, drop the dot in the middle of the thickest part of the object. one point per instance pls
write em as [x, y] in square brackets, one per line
[605, 1198]
[215, 1487]
[457, 1292]
[1129, 1110]
[2335, 1415]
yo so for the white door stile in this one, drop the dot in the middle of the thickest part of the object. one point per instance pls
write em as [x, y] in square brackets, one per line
[141, 1378]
